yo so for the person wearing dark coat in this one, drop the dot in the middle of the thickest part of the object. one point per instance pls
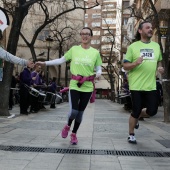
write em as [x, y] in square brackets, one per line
[25, 83]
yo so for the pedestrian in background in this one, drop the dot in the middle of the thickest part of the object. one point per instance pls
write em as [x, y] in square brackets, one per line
[25, 84]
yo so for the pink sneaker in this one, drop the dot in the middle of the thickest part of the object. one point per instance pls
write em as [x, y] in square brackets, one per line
[65, 131]
[74, 140]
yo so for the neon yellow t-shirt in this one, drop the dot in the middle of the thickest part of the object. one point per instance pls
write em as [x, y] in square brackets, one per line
[143, 76]
[83, 62]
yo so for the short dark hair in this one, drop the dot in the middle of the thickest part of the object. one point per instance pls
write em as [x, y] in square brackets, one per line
[91, 32]
[137, 36]
[141, 24]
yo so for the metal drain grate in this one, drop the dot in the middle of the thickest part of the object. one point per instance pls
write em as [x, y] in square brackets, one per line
[84, 151]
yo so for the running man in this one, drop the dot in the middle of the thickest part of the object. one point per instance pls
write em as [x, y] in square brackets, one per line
[142, 60]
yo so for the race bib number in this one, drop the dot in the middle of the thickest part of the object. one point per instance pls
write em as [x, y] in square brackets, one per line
[147, 54]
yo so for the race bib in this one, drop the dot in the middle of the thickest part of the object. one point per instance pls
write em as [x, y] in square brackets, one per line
[147, 54]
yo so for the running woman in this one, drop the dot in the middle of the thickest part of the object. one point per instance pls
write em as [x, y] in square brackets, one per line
[84, 59]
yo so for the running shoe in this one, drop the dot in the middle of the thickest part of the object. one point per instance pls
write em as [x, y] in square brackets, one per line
[74, 140]
[65, 131]
[132, 139]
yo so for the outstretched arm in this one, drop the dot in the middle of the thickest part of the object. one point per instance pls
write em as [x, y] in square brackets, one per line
[14, 59]
[52, 62]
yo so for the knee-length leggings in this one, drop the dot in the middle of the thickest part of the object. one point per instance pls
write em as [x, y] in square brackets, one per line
[78, 101]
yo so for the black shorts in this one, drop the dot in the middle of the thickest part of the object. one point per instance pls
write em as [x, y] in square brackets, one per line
[144, 99]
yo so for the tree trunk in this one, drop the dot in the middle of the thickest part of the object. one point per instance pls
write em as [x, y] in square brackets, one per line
[166, 77]
[8, 68]
[34, 57]
[166, 97]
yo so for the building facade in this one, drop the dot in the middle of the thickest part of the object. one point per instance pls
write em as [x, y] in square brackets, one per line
[35, 19]
[105, 21]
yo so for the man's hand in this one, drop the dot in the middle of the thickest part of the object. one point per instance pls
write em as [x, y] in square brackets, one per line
[40, 63]
[161, 70]
[30, 64]
[139, 60]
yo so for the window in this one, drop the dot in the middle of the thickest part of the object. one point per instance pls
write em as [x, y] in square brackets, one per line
[108, 6]
[96, 24]
[109, 15]
[124, 39]
[108, 32]
[125, 21]
[86, 16]
[86, 24]
[97, 7]
[96, 32]
[107, 38]
[109, 21]
[106, 47]
[125, 4]
[109, 0]
[95, 41]
[96, 15]
[130, 28]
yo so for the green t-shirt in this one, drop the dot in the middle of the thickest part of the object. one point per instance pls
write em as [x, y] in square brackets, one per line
[143, 76]
[83, 62]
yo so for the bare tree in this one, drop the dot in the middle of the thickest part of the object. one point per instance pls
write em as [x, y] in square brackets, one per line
[48, 19]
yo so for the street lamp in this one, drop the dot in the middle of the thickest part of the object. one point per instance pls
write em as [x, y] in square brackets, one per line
[49, 41]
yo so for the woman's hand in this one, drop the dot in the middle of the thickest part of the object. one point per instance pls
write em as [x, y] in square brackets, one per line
[40, 63]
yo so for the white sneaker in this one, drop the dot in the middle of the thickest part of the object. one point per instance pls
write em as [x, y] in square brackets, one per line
[132, 139]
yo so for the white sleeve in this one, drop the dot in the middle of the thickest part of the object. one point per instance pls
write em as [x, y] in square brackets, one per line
[11, 58]
[57, 61]
[98, 71]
